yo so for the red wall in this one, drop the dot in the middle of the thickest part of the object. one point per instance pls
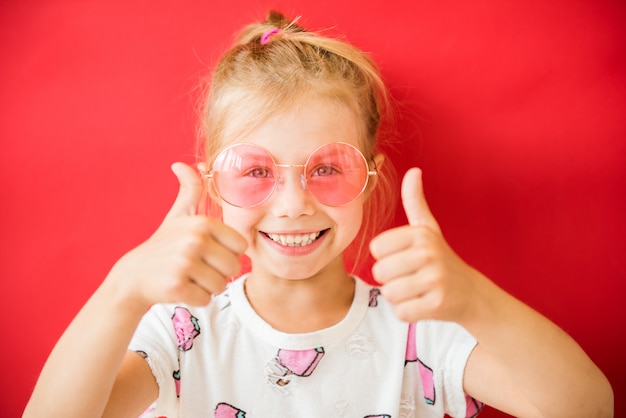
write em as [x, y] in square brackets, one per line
[515, 110]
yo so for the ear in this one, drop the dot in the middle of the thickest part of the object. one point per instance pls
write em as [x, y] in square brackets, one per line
[211, 204]
[208, 184]
[379, 159]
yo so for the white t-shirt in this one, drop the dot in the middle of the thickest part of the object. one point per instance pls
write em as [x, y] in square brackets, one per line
[223, 360]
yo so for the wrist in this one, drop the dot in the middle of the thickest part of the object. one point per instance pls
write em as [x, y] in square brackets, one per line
[119, 290]
[488, 304]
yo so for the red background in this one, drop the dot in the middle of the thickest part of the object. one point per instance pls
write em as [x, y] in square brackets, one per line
[515, 110]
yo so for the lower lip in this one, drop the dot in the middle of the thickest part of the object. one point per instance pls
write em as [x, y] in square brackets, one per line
[295, 251]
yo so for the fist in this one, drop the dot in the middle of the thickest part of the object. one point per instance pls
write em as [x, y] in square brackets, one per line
[189, 257]
[420, 274]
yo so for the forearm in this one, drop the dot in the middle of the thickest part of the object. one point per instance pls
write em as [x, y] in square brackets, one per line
[78, 376]
[545, 364]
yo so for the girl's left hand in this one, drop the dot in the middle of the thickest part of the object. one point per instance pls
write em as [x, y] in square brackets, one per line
[420, 274]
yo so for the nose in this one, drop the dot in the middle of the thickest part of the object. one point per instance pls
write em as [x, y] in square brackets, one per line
[291, 197]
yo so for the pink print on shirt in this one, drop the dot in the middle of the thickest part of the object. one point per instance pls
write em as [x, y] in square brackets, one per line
[298, 362]
[374, 293]
[186, 328]
[224, 410]
[426, 373]
[176, 376]
[473, 407]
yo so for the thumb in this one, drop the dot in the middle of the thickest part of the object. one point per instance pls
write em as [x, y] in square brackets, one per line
[414, 201]
[189, 193]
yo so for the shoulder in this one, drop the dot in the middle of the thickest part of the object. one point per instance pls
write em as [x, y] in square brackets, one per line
[181, 320]
[443, 329]
[444, 345]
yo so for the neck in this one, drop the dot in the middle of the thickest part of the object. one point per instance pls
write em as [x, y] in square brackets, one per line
[303, 305]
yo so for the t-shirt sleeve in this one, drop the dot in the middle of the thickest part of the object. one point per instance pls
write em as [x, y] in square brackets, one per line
[443, 349]
[156, 340]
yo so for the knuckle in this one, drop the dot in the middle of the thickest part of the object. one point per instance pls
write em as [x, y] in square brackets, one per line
[431, 280]
[403, 313]
[182, 264]
[437, 304]
[234, 267]
[176, 289]
[388, 294]
[194, 242]
[198, 224]
[427, 255]
[378, 271]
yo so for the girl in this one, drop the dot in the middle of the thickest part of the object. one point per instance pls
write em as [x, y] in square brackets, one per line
[293, 168]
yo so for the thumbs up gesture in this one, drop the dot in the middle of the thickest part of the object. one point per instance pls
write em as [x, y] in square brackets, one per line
[189, 257]
[420, 274]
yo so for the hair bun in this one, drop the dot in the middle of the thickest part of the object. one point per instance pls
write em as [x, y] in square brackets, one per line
[275, 24]
[276, 19]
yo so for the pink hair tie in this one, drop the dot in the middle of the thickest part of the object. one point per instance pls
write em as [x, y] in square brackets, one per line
[265, 38]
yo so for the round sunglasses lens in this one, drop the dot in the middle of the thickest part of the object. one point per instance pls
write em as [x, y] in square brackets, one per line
[244, 175]
[336, 174]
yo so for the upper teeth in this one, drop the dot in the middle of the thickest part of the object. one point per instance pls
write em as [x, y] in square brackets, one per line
[299, 240]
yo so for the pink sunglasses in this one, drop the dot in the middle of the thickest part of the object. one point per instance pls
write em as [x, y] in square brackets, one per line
[246, 175]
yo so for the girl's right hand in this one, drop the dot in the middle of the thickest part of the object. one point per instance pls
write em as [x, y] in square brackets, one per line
[189, 258]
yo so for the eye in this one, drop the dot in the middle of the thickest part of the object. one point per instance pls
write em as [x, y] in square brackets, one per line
[258, 172]
[324, 171]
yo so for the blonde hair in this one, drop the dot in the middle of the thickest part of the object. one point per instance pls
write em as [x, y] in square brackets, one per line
[258, 78]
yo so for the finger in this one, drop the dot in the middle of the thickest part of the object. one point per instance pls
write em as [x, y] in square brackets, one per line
[189, 192]
[222, 260]
[398, 264]
[194, 294]
[415, 309]
[412, 299]
[391, 241]
[201, 281]
[228, 237]
[414, 202]
[208, 279]
[405, 288]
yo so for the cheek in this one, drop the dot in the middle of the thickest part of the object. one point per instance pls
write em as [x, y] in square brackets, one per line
[241, 220]
[350, 220]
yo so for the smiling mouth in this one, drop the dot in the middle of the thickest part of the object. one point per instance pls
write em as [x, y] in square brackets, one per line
[295, 240]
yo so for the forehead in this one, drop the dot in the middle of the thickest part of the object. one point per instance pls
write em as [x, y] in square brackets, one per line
[291, 135]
